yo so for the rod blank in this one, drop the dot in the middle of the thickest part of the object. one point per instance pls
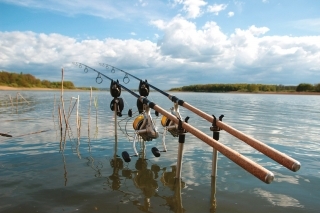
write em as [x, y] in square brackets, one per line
[274, 154]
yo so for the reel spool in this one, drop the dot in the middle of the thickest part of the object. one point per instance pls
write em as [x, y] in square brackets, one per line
[138, 122]
[166, 122]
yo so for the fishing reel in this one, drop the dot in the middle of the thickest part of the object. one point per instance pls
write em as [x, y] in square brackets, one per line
[170, 126]
[144, 128]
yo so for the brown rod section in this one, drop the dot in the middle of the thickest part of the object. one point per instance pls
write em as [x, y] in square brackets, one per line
[247, 164]
[272, 153]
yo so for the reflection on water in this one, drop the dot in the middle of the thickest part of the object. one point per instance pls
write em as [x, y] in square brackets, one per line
[16, 103]
[146, 178]
[278, 199]
[86, 174]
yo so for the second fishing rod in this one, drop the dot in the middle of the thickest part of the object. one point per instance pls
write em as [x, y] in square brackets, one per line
[272, 153]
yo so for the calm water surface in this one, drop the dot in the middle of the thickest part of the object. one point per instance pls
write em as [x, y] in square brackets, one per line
[87, 176]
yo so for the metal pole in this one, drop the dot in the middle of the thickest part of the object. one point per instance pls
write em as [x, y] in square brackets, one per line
[214, 180]
[115, 128]
[214, 162]
[180, 154]
[213, 195]
[216, 134]
[178, 197]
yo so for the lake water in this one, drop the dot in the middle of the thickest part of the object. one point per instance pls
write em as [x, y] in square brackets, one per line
[41, 173]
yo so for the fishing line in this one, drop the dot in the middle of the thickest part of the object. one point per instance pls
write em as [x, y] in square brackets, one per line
[125, 132]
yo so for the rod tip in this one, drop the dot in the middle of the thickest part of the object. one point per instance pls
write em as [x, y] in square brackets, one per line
[296, 166]
[269, 177]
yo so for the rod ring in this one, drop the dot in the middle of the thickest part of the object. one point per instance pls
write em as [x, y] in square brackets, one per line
[126, 79]
[100, 79]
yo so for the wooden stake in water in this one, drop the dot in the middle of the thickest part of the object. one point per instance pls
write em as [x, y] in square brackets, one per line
[53, 111]
[69, 110]
[65, 175]
[78, 128]
[95, 101]
[11, 103]
[78, 122]
[62, 101]
[89, 112]
[60, 124]
[17, 104]
[54, 105]
[24, 98]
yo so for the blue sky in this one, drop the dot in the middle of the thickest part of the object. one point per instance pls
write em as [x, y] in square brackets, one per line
[171, 43]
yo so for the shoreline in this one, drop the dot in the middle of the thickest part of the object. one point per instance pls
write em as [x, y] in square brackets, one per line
[6, 88]
[280, 93]
[23, 88]
[261, 93]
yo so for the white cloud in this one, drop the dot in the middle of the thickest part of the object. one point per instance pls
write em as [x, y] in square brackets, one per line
[216, 8]
[247, 55]
[275, 57]
[230, 14]
[133, 33]
[258, 30]
[30, 51]
[182, 39]
[158, 23]
[192, 7]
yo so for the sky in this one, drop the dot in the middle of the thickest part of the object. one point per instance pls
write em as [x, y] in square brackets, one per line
[171, 43]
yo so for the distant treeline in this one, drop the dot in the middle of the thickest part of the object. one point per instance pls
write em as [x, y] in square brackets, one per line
[29, 81]
[303, 87]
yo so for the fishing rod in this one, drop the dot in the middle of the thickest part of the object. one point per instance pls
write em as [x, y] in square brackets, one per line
[250, 166]
[272, 153]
